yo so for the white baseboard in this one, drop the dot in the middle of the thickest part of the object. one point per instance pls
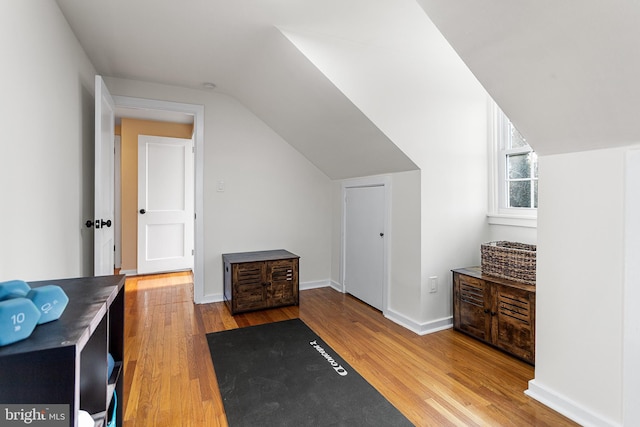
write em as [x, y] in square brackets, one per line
[337, 286]
[418, 327]
[436, 325]
[314, 284]
[135, 272]
[206, 299]
[405, 322]
[129, 272]
[567, 407]
[401, 320]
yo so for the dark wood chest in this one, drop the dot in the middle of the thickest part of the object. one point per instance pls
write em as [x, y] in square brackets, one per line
[259, 280]
[497, 311]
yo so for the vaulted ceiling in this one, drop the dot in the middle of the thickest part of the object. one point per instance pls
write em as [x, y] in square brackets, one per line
[241, 47]
[566, 73]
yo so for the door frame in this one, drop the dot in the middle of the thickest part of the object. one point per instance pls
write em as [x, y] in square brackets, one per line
[631, 291]
[197, 111]
[117, 150]
[371, 181]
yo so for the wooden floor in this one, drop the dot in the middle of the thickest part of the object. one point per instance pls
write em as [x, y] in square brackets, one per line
[440, 379]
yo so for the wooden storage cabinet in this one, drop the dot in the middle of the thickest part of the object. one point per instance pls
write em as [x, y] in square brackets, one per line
[65, 361]
[259, 280]
[498, 311]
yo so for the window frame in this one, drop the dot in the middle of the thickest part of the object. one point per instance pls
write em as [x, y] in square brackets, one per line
[498, 212]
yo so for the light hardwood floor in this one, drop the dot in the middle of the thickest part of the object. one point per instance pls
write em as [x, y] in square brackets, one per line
[440, 379]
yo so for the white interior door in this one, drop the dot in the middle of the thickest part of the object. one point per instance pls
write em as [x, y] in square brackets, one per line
[165, 203]
[104, 184]
[364, 244]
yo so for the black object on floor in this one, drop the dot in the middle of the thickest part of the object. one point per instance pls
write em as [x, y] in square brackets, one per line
[283, 374]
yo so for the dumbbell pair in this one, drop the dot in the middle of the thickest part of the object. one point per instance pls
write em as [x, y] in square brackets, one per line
[23, 308]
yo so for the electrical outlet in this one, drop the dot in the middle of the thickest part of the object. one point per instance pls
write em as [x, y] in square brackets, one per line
[433, 284]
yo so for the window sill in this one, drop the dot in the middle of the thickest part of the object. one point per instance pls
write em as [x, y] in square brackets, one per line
[528, 221]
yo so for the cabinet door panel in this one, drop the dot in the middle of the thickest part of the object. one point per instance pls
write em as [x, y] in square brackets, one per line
[249, 286]
[283, 277]
[514, 323]
[473, 299]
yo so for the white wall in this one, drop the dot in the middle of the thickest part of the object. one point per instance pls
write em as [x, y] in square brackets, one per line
[406, 224]
[438, 120]
[513, 233]
[454, 193]
[46, 157]
[274, 198]
[580, 281]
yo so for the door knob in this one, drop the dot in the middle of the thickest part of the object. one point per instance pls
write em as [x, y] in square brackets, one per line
[142, 211]
[381, 234]
[100, 223]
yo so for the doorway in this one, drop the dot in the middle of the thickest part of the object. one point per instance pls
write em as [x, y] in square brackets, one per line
[160, 198]
[168, 111]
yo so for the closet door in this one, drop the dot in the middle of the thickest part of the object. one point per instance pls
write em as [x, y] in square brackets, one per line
[364, 244]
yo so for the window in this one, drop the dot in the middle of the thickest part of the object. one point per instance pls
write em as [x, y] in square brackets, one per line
[514, 170]
[521, 171]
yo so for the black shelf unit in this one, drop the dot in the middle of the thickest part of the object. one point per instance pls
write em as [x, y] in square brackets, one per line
[65, 361]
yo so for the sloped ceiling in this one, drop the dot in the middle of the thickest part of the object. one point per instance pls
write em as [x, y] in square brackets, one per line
[238, 46]
[567, 73]
[282, 87]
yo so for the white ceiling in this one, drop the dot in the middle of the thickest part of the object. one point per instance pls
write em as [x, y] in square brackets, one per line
[567, 73]
[187, 43]
[241, 48]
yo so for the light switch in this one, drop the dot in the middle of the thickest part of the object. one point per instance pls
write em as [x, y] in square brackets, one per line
[433, 284]
[220, 186]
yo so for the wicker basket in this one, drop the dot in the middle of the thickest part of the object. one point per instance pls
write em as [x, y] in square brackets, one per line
[510, 260]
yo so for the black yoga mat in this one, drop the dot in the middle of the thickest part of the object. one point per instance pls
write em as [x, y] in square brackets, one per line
[283, 374]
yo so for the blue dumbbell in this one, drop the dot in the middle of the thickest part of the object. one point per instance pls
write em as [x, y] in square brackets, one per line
[50, 300]
[13, 289]
[18, 319]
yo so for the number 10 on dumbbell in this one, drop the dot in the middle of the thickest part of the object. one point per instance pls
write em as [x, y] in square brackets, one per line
[23, 308]
[17, 319]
